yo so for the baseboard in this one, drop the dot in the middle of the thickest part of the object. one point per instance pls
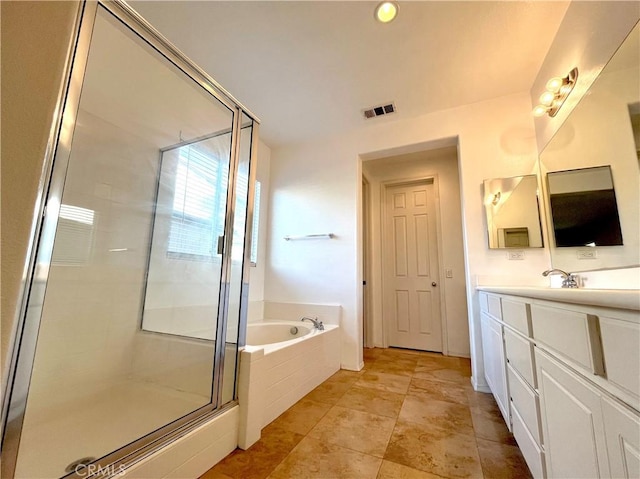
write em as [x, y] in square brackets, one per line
[480, 386]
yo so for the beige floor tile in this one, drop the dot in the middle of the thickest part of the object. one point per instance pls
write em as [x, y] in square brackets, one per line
[302, 416]
[435, 450]
[399, 353]
[489, 424]
[482, 400]
[391, 470]
[214, 474]
[441, 390]
[385, 382]
[502, 461]
[415, 409]
[383, 403]
[356, 430]
[449, 375]
[438, 362]
[314, 459]
[262, 458]
[397, 366]
[371, 353]
[329, 392]
[443, 414]
[345, 376]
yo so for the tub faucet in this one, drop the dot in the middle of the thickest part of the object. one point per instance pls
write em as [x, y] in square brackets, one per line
[317, 324]
[569, 280]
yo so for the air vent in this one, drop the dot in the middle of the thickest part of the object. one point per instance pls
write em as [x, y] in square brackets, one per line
[381, 110]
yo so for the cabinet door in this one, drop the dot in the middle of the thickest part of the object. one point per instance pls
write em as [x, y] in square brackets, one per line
[623, 439]
[572, 421]
[495, 364]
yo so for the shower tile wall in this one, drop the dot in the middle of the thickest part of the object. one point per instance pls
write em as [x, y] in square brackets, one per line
[92, 303]
[90, 330]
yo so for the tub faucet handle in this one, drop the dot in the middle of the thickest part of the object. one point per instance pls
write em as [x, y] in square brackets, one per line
[316, 324]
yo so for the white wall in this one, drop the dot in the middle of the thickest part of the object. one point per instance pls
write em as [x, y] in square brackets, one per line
[315, 188]
[91, 309]
[443, 164]
[41, 32]
[256, 285]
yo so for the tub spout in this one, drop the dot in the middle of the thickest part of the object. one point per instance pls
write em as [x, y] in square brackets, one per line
[317, 324]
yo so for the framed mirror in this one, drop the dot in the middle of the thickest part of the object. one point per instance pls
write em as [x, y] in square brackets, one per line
[513, 214]
[595, 150]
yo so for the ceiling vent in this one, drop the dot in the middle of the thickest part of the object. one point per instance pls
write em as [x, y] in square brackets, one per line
[381, 110]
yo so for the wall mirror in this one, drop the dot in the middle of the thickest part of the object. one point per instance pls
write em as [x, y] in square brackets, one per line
[584, 211]
[513, 218]
[598, 143]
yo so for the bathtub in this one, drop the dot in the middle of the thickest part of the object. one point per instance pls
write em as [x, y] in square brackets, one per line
[272, 334]
[278, 367]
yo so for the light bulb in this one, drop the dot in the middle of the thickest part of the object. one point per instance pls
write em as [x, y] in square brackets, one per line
[386, 11]
[540, 110]
[547, 98]
[554, 84]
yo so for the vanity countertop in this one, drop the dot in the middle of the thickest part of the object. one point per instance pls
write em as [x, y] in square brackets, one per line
[609, 298]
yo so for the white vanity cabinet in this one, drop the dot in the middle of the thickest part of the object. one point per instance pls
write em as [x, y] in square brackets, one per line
[573, 380]
[495, 363]
[622, 428]
[573, 423]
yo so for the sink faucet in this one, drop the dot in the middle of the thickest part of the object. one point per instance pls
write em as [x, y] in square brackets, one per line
[317, 324]
[569, 280]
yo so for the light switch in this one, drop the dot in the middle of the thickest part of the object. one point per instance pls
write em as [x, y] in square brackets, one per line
[448, 273]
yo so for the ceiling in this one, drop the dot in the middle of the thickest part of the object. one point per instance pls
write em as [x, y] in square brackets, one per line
[308, 69]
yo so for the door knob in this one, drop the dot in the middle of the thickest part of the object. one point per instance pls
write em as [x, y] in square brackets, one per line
[434, 284]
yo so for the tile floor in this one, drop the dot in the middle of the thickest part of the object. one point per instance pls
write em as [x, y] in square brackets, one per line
[406, 415]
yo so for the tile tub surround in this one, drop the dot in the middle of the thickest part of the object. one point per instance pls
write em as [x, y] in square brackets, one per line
[274, 377]
[407, 414]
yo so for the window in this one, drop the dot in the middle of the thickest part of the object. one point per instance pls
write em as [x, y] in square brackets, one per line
[199, 201]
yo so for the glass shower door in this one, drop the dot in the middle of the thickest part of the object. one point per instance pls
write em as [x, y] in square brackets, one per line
[133, 297]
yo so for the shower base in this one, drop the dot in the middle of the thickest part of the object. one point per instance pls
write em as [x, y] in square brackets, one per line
[93, 429]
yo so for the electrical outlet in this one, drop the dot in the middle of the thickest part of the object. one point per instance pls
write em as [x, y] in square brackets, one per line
[587, 254]
[518, 255]
[448, 273]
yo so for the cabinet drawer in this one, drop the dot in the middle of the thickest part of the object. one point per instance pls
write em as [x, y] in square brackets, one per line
[620, 340]
[530, 450]
[519, 353]
[525, 401]
[516, 315]
[572, 334]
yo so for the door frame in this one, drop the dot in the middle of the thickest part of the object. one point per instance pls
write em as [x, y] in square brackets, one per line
[384, 188]
[367, 336]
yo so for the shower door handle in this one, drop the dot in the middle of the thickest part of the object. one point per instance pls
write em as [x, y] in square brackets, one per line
[220, 244]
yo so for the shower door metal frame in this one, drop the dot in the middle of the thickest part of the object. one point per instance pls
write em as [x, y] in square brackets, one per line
[45, 219]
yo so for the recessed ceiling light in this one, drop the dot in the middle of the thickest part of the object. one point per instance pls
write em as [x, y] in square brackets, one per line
[386, 11]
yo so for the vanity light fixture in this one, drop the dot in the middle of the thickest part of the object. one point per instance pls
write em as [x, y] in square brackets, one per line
[557, 91]
[386, 11]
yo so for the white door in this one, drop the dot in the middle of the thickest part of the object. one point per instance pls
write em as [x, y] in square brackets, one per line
[411, 290]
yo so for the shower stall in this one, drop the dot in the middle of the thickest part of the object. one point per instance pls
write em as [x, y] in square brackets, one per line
[134, 307]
